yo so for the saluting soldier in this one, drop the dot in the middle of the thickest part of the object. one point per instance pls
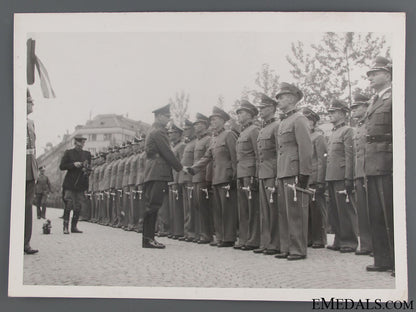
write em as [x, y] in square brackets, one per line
[158, 172]
[176, 188]
[379, 165]
[247, 178]
[339, 175]
[317, 205]
[190, 216]
[113, 186]
[222, 152]
[267, 162]
[140, 185]
[359, 107]
[294, 166]
[202, 202]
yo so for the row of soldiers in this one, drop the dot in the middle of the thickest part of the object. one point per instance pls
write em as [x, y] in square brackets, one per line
[263, 189]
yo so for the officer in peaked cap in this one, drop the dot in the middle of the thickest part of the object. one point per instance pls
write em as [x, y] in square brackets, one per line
[218, 112]
[381, 64]
[379, 165]
[175, 128]
[188, 124]
[317, 207]
[267, 161]
[202, 188]
[294, 167]
[287, 88]
[79, 138]
[359, 107]
[201, 118]
[265, 101]
[222, 153]
[157, 173]
[165, 110]
[339, 176]
[247, 178]
[338, 105]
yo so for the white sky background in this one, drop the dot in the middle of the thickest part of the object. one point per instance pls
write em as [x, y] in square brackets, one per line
[133, 73]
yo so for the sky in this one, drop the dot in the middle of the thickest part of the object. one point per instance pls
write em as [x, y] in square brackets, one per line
[133, 73]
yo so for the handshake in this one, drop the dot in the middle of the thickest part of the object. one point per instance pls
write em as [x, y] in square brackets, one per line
[188, 170]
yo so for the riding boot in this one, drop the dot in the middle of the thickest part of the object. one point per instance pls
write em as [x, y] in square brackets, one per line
[74, 222]
[66, 220]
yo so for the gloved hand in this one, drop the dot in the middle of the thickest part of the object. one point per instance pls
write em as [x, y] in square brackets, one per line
[303, 181]
[349, 186]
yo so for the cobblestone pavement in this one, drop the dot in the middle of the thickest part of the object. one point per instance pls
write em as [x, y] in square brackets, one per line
[113, 257]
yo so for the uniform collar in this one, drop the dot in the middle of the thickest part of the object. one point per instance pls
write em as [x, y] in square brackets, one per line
[217, 133]
[342, 124]
[246, 126]
[287, 114]
[384, 91]
[189, 139]
[268, 122]
[204, 134]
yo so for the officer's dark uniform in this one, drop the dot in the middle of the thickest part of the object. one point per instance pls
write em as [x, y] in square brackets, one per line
[379, 172]
[175, 192]
[202, 192]
[247, 182]
[339, 172]
[31, 176]
[42, 190]
[75, 183]
[267, 162]
[317, 206]
[222, 152]
[294, 166]
[360, 197]
[159, 161]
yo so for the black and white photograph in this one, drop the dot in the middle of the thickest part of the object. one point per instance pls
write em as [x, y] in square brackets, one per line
[222, 156]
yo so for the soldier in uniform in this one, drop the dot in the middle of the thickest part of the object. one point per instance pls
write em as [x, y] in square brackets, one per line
[190, 213]
[202, 203]
[101, 187]
[222, 152]
[339, 175]
[120, 199]
[140, 185]
[90, 193]
[95, 176]
[77, 163]
[379, 165]
[317, 205]
[126, 188]
[159, 161]
[247, 179]
[267, 161]
[31, 176]
[359, 108]
[42, 190]
[175, 188]
[106, 188]
[134, 164]
[294, 166]
[113, 182]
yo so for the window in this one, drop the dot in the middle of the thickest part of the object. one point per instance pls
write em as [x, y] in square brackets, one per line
[107, 136]
[93, 137]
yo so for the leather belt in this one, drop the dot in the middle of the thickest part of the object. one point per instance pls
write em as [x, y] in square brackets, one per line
[378, 138]
[30, 151]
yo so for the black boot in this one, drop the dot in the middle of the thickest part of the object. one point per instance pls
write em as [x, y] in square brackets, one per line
[66, 231]
[74, 223]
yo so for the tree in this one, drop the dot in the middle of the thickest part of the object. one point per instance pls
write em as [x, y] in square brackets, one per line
[179, 107]
[267, 80]
[220, 101]
[335, 66]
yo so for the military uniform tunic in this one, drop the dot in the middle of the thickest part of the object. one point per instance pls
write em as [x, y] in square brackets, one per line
[267, 170]
[222, 152]
[340, 162]
[294, 158]
[379, 169]
[248, 200]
